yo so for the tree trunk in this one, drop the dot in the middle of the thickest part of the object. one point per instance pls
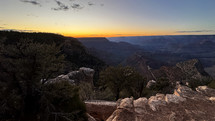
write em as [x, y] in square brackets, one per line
[117, 94]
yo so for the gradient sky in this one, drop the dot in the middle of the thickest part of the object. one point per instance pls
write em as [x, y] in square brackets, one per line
[84, 18]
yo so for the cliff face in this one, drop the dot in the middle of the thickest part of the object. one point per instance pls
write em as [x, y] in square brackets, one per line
[192, 68]
[184, 104]
[184, 70]
[140, 63]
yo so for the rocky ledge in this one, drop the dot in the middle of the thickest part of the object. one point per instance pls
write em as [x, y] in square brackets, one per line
[184, 105]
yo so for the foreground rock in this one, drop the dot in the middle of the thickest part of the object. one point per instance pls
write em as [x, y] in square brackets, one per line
[184, 105]
[100, 110]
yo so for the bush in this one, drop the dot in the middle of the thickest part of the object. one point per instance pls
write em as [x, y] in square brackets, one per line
[193, 83]
[162, 85]
[60, 101]
[212, 84]
[122, 80]
[86, 91]
[104, 94]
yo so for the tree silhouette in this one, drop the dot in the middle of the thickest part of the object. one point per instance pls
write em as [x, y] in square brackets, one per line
[119, 78]
[23, 65]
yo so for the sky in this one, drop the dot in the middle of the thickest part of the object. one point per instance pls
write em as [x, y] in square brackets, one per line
[109, 18]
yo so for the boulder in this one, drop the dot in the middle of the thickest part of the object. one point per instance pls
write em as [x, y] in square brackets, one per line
[127, 104]
[184, 91]
[171, 98]
[212, 99]
[206, 91]
[140, 105]
[155, 101]
[150, 83]
[87, 71]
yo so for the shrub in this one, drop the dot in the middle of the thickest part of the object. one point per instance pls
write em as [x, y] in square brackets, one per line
[122, 78]
[193, 83]
[60, 101]
[212, 84]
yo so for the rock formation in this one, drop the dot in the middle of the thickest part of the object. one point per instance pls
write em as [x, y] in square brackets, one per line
[192, 68]
[186, 70]
[150, 83]
[82, 75]
[184, 105]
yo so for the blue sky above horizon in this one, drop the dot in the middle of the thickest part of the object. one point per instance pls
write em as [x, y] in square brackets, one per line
[106, 18]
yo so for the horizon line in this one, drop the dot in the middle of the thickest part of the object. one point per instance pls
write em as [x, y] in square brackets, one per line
[106, 36]
[141, 36]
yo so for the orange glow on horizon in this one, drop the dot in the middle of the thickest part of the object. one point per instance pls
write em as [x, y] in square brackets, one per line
[103, 35]
[114, 35]
[89, 31]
